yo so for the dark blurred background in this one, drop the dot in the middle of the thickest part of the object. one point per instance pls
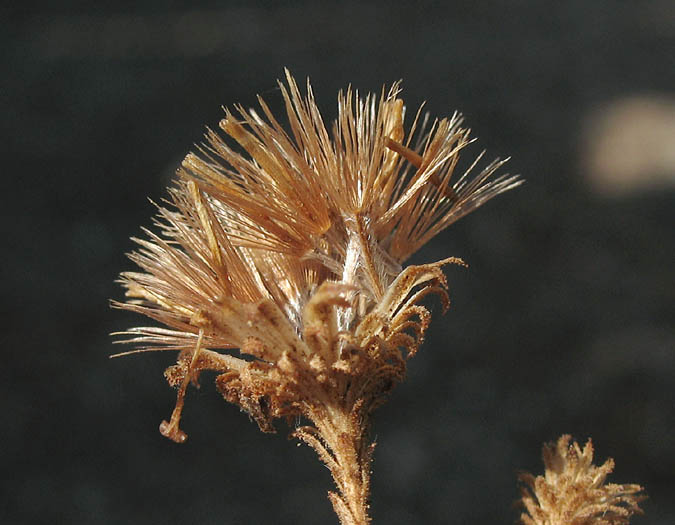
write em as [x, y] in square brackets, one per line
[565, 322]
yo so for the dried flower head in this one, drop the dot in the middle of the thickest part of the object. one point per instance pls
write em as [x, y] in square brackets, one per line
[289, 247]
[573, 491]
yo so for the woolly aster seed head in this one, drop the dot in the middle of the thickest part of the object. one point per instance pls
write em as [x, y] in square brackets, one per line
[573, 490]
[292, 252]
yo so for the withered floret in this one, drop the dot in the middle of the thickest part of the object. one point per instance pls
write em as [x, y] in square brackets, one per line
[289, 247]
[573, 491]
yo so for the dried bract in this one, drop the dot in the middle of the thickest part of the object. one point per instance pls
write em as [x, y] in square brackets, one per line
[288, 246]
[573, 491]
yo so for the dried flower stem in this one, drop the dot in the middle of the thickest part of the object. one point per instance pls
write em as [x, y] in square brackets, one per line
[340, 440]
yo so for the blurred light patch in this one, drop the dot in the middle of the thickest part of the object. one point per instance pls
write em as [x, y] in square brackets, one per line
[628, 146]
